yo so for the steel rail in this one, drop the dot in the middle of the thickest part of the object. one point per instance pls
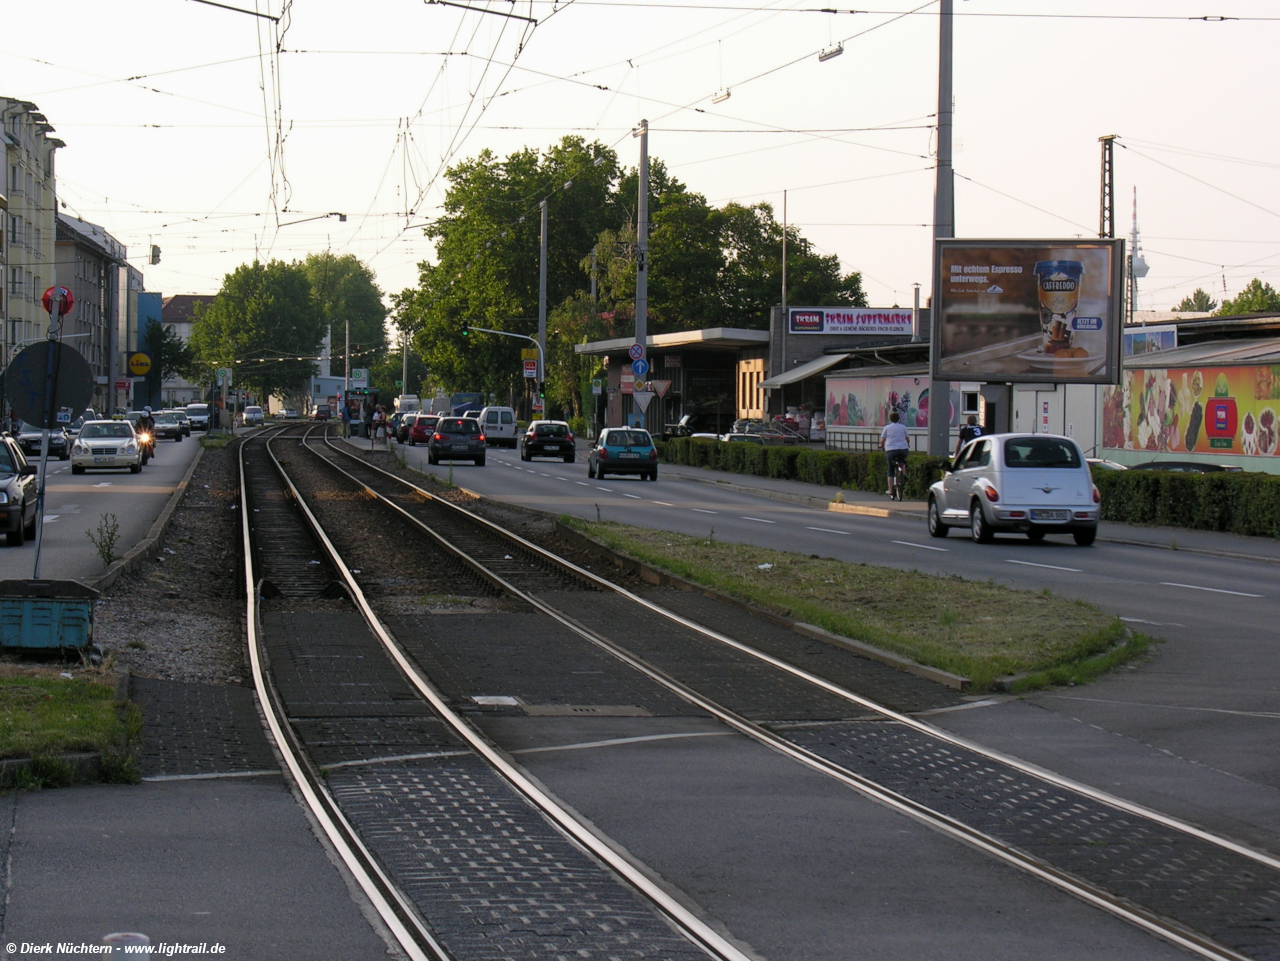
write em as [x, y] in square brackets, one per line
[688, 923]
[395, 910]
[1099, 897]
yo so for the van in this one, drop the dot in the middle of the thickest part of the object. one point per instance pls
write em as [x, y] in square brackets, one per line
[499, 426]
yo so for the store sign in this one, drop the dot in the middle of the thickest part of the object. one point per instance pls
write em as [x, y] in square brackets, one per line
[1028, 311]
[849, 320]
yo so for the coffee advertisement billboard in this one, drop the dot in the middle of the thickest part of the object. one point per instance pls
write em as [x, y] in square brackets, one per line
[1028, 311]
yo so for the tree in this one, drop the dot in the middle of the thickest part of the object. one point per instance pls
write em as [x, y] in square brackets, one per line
[171, 357]
[1256, 298]
[1199, 302]
[264, 325]
[345, 292]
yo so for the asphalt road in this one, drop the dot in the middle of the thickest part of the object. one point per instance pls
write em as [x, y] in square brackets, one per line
[75, 505]
[1194, 731]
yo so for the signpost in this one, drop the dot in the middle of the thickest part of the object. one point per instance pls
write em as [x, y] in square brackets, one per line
[531, 369]
[636, 351]
[139, 364]
[640, 367]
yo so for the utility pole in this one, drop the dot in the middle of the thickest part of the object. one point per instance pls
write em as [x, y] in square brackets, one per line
[593, 273]
[944, 225]
[642, 240]
[1107, 202]
[784, 253]
[542, 298]
[404, 361]
[346, 366]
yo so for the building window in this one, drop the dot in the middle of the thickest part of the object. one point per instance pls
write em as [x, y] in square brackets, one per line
[972, 402]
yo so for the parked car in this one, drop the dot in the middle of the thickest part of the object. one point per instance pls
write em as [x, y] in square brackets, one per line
[1185, 467]
[181, 414]
[106, 444]
[421, 427]
[29, 439]
[288, 414]
[499, 426]
[456, 438]
[1105, 464]
[623, 450]
[322, 412]
[548, 438]
[253, 416]
[770, 433]
[198, 414]
[18, 486]
[168, 427]
[1035, 484]
[756, 439]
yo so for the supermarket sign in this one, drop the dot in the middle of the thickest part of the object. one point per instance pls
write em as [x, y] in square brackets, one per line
[848, 320]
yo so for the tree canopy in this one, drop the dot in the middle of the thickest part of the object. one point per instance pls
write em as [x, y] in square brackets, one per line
[345, 292]
[1256, 298]
[708, 266]
[1199, 301]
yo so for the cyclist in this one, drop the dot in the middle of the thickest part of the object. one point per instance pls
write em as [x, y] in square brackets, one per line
[895, 443]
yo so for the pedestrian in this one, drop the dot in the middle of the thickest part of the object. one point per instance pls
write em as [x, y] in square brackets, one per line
[346, 421]
[968, 432]
[379, 423]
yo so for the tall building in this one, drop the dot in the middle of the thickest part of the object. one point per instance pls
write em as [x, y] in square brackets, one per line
[89, 264]
[28, 221]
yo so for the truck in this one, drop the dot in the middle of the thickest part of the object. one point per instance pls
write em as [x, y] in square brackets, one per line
[407, 402]
[463, 401]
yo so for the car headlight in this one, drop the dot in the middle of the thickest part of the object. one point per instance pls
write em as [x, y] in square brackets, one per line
[79, 449]
[4, 497]
[131, 448]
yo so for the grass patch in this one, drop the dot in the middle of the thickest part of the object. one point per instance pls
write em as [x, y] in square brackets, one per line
[43, 714]
[216, 443]
[981, 630]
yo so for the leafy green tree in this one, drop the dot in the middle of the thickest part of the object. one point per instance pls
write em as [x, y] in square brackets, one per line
[1256, 298]
[261, 322]
[171, 357]
[1200, 302]
[345, 291]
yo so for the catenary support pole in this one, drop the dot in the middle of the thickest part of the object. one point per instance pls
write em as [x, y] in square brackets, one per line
[944, 228]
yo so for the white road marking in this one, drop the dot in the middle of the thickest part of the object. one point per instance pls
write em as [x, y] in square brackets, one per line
[582, 483]
[103, 484]
[758, 520]
[827, 530]
[48, 518]
[664, 504]
[1214, 590]
[634, 497]
[558, 477]
[608, 490]
[1051, 567]
[545, 475]
[923, 547]
[701, 511]
[1139, 620]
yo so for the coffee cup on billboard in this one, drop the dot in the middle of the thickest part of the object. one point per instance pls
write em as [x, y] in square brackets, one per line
[1058, 284]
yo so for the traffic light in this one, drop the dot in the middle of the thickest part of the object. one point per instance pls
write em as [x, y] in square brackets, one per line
[542, 388]
[466, 330]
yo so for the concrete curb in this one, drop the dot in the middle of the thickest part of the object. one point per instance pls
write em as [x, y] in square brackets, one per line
[662, 578]
[86, 768]
[151, 543]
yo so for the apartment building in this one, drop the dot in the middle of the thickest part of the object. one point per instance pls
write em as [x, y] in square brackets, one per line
[27, 218]
[89, 263]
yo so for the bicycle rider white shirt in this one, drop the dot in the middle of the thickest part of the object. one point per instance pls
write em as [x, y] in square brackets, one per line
[895, 436]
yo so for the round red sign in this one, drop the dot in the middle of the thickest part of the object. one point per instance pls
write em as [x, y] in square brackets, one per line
[65, 303]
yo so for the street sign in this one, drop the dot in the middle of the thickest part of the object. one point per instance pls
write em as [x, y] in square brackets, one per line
[640, 367]
[636, 351]
[360, 374]
[224, 376]
[26, 378]
[64, 305]
[531, 369]
[597, 387]
[537, 403]
[628, 383]
[642, 398]
[122, 385]
[660, 387]
[139, 364]
[529, 353]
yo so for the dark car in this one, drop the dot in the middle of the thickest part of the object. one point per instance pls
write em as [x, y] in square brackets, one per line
[18, 485]
[400, 423]
[623, 450]
[456, 438]
[181, 416]
[548, 438]
[1185, 467]
[321, 412]
[757, 439]
[168, 427]
[421, 427]
[59, 442]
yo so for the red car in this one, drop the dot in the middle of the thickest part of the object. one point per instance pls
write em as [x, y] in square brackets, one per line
[420, 431]
[321, 412]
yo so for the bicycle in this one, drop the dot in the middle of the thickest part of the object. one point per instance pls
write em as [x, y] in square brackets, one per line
[898, 481]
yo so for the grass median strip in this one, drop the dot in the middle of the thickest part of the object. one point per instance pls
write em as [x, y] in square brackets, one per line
[979, 629]
[43, 715]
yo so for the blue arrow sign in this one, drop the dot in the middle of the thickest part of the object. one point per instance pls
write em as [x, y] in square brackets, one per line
[639, 367]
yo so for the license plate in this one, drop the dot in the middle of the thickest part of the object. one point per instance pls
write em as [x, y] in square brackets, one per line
[1051, 515]
[458, 446]
[629, 454]
[103, 460]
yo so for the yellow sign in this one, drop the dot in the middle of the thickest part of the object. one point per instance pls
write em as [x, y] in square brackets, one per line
[139, 364]
[529, 353]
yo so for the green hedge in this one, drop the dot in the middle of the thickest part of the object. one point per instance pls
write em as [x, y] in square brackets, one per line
[856, 470]
[1239, 503]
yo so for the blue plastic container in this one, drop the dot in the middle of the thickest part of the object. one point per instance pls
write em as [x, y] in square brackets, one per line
[39, 615]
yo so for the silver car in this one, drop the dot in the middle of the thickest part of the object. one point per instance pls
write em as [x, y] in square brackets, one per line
[1034, 484]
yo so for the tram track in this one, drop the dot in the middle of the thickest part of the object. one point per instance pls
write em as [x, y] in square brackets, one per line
[1200, 891]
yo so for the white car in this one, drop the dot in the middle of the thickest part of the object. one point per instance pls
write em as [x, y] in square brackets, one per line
[198, 414]
[1034, 484]
[106, 444]
[499, 426]
[254, 417]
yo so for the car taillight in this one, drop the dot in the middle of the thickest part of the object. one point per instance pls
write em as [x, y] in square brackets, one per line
[604, 453]
[1017, 514]
[653, 453]
[569, 438]
[1097, 495]
[992, 494]
[437, 437]
[481, 438]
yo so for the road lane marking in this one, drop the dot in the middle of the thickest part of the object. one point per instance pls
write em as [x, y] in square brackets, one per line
[49, 518]
[1214, 590]
[103, 484]
[701, 511]
[827, 530]
[923, 547]
[558, 477]
[758, 520]
[664, 504]
[582, 483]
[1051, 567]
[1139, 620]
[607, 490]
[634, 497]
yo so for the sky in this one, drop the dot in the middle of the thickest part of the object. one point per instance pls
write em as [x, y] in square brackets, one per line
[220, 136]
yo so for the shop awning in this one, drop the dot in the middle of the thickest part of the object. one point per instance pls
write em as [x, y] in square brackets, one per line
[804, 370]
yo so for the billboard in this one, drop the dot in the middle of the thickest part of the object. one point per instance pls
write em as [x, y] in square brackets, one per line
[1210, 410]
[868, 401]
[848, 320]
[1028, 311]
[1146, 340]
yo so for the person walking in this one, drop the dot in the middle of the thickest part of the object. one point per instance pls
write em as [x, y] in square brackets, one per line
[346, 420]
[968, 432]
[379, 425]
